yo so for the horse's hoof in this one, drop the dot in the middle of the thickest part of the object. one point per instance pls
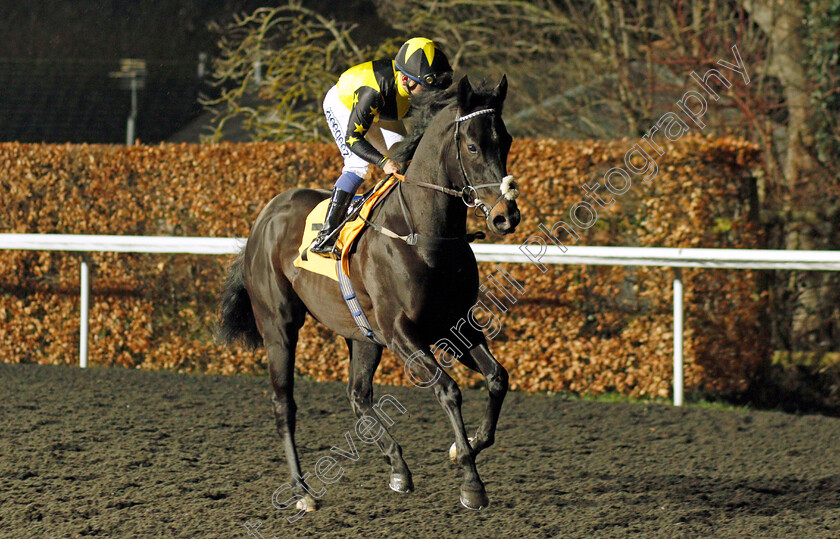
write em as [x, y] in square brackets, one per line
[453, 451]
[307, 503]
[474, 499]
[401, 483]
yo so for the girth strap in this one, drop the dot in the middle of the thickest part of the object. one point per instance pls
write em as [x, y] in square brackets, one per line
[349, 295]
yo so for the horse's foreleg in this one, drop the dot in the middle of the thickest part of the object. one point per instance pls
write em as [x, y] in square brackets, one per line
[364, 360]
[425, 372]
[481, 360]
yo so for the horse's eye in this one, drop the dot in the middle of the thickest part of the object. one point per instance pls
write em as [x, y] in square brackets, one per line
[472, 148]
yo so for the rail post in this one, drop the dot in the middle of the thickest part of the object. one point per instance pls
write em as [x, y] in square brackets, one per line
[83, 320]
[678, 337]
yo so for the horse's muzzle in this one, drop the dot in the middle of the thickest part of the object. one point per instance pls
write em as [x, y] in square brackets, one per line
[505, 222]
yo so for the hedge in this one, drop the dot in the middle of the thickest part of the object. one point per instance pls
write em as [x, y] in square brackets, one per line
[577, 328]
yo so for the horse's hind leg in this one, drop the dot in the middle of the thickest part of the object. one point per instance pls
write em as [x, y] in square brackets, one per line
[364, 359]
[279, 327]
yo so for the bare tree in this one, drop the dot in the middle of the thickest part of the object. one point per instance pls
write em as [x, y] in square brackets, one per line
[275, 66]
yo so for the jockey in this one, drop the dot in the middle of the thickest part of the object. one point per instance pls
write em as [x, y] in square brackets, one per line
[364, 112]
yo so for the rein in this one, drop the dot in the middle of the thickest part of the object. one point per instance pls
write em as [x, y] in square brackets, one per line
[414, 238]
[468, 194]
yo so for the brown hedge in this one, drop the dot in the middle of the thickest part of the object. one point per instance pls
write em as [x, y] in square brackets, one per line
[577, 328]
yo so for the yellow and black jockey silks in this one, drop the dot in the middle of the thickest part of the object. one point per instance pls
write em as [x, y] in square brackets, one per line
[371, 92]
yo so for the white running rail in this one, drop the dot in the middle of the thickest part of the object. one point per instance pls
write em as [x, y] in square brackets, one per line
[484, 252]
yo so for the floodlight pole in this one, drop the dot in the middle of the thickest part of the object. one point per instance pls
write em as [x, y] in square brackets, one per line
[132, 76]
[132, 118]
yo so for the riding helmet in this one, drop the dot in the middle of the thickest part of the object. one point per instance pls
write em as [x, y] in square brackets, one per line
[422, 61]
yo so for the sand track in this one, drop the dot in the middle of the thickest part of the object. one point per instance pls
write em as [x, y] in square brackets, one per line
[119, 453]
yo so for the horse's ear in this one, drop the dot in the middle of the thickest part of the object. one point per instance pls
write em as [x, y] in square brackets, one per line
[500, 91]
[465, 93]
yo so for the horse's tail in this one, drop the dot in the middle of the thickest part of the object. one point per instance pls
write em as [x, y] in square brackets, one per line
[237, 316]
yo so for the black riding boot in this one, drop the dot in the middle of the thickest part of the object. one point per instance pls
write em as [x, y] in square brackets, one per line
[335, 215]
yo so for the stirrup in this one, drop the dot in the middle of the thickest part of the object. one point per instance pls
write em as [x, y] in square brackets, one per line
[322, 248]
[333, 253]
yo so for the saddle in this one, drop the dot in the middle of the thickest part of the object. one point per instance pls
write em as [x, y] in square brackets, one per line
[355, 223]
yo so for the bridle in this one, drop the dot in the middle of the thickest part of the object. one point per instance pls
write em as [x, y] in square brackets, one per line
[469, 192]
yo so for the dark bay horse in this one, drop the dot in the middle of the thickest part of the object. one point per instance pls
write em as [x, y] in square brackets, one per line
[412, 292]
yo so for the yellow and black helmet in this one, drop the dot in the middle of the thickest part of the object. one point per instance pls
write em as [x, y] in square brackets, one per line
[422, 61]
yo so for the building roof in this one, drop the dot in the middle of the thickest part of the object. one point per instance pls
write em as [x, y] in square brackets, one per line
[59, 101]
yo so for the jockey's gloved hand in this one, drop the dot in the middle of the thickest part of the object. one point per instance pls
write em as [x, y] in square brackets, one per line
[391, 167]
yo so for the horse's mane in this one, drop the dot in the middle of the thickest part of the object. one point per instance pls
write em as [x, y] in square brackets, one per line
[424, 107]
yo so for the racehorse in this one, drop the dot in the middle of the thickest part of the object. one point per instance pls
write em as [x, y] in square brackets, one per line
[413, 285]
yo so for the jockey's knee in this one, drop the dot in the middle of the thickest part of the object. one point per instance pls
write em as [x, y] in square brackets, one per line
[349, 182]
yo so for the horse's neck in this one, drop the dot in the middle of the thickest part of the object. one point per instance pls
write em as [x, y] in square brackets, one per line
[434, 213]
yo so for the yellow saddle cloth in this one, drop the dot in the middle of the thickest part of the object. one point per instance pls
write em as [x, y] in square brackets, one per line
[346, 237]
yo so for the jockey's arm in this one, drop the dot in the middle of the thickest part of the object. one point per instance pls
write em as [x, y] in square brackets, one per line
[362, 116]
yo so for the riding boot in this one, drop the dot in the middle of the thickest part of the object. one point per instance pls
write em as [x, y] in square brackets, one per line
[335, 215]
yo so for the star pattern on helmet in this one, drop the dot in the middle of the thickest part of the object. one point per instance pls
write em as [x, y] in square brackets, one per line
[420, 43]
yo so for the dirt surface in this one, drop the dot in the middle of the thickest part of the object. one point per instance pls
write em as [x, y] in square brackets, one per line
[120, 453]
